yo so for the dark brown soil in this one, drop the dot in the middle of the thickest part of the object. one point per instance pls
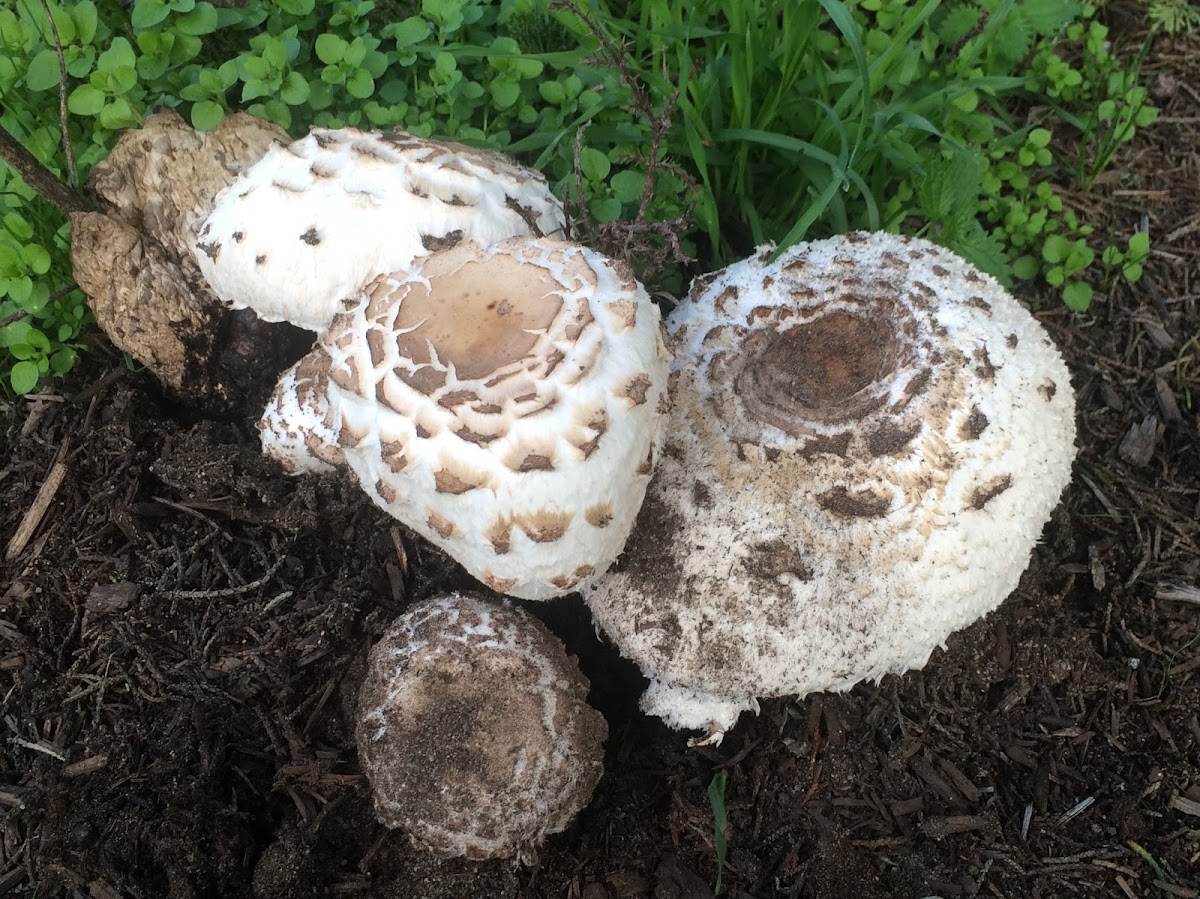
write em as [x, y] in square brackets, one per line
[183, 634]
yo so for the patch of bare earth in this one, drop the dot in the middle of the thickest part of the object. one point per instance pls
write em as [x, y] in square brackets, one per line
[182, 632]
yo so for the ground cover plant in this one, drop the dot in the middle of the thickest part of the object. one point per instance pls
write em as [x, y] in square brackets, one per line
[677, 130]
[182, 630]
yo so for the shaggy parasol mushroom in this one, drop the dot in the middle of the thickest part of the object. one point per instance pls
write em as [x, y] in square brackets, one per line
[134, 258]
[505, 403]
[474, 730]
[867, 438]
[312, 222]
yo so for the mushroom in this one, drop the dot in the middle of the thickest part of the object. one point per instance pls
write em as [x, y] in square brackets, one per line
[505, 403]
[474, 730]
[133, 258]
[312, 222]
[867, 438]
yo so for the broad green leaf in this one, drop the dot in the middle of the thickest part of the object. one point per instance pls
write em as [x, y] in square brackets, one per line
[207, 115]
[86, 20]
[148, 13]
[1078, 296]
[43, 72]
[85, 100]
[201, 20]
[24, 377]
[294, 90]
[330, 48]
[628, 185]
[595, 164]
[504, 93]
[360, 84]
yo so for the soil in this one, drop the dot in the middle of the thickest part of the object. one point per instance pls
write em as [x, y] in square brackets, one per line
[182, 636]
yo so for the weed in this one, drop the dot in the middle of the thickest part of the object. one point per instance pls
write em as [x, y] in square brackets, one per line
[716, 799]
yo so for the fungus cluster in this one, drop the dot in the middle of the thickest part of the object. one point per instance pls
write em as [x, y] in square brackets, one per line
[867, 438]
[474, 730]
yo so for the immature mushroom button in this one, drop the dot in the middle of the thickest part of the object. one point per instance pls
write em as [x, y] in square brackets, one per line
[506, 403]
[312, 222]
[867, 438]
[474, 730]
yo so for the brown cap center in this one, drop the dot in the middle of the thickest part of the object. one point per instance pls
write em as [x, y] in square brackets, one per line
[478, 317]
[816, 370]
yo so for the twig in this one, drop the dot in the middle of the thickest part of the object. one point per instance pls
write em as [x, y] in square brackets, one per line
[34, 514]
[62, 98]
[54, 298]
[40, 178]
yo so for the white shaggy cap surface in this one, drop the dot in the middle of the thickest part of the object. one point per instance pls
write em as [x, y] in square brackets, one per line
[506, 403]
[309, 224]
[474, 730]
[867, 438]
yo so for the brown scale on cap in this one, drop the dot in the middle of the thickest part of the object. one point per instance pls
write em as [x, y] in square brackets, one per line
[599, 515]
[443, 526]
[545, 526]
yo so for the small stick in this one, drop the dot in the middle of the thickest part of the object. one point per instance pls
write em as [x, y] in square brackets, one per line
[62, 98]
[34, 514]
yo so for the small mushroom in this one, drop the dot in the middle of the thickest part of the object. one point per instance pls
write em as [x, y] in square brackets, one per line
[867, 438]
[474, 730]
[505, 403]
[312, 222]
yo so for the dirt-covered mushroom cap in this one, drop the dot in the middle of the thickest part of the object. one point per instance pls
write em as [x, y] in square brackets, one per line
[867, 438]
[506, 403]
[312, 222]
[474, 729]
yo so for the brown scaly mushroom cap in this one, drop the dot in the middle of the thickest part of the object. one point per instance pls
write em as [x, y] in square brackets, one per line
[867, 438]
[474, 730]
[506, 403]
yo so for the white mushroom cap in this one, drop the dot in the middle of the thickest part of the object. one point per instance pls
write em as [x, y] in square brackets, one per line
[505, 403]
[312, 222]
[301, 395]
[867, 438]
[474, 730]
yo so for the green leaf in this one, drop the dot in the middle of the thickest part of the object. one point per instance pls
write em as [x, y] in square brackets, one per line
[1078, 296]
[119, 55]
[207, 115]
[504, 93]
[410, 31]
[24, 377]
[330, 48]
[552, 92]
[86, 20]
[1139, 244]
[295, 90]
[627, 185]
[595, 164]
[85, 100]
[118, 115]
[1025, 267]
[360, 84]
[63, 360]
[36, 258]
[43, 72]
[148, 13]
[297, 7]
[201, 20]
[606, 210]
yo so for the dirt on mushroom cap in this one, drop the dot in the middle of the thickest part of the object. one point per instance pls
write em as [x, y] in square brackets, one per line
[474, 729]
[867, 438]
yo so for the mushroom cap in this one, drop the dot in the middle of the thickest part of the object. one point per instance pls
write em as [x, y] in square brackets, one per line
[867, 437]
[312, 222]
[506, 403]
[474, 729]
